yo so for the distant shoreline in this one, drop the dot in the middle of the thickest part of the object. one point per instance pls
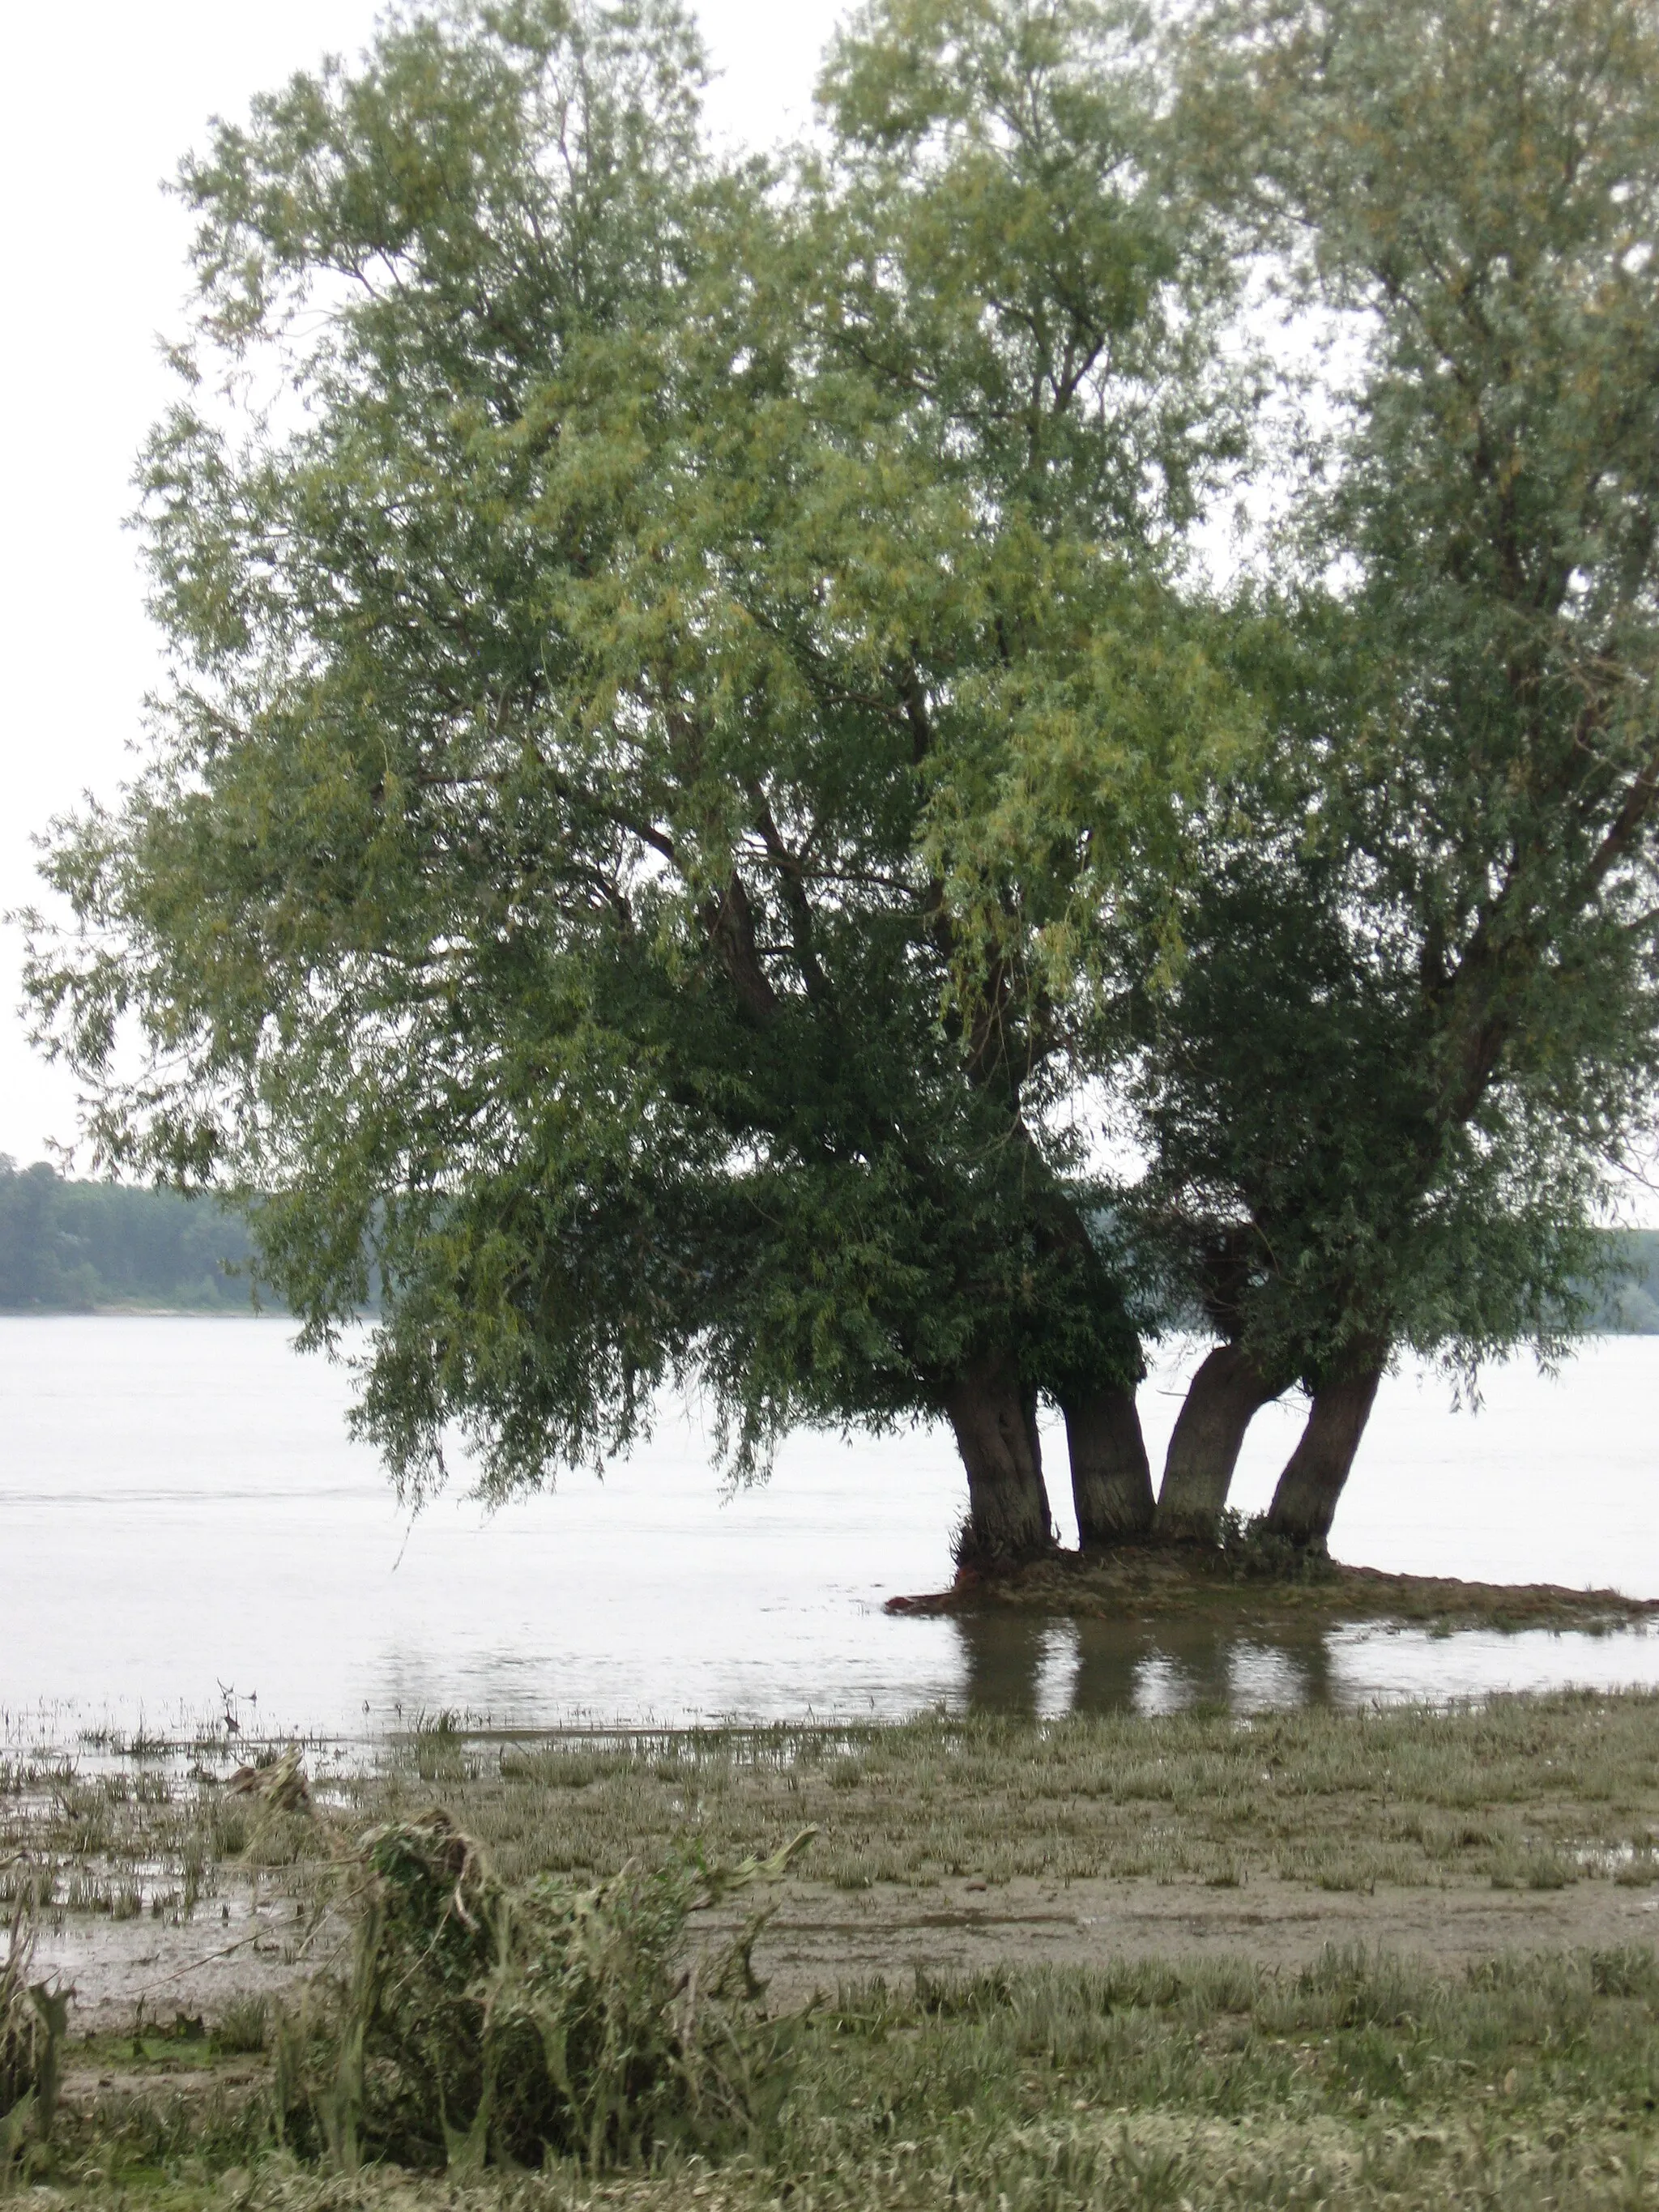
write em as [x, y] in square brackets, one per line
[145, 1313]
[274, 1312]
[71, 1246]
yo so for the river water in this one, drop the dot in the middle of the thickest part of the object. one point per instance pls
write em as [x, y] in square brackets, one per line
[186, 1530]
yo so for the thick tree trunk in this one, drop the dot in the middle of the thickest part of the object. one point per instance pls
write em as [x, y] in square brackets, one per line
[1305, 1504]
[1111, 1482]
[1008, 1517]
[1222, 1399]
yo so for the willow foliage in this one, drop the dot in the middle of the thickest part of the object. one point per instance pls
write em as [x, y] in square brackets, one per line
[700, 751]
[529, 897]
[1403, 1011]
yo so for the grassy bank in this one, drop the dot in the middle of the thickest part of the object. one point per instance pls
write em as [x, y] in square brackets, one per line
[1362, 2083]
[1247, 1581]
[1353, 2078]
[1404, 1795]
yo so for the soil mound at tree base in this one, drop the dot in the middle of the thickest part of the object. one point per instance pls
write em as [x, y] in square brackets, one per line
[1151, 1581]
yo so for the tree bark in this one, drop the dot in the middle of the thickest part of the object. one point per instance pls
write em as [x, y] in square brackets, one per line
[1305, 1504]
[1111, 1482]
[1222, 1399]
[1008, 1517]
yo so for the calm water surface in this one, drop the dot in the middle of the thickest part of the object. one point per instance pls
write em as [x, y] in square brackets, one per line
[184, 1522]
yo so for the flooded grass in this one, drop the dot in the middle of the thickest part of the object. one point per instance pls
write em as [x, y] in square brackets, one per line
[1528, 1789]
[1405, 1794]
[1359, 2080]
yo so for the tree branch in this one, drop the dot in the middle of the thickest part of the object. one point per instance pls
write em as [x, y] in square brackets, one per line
[792, 882]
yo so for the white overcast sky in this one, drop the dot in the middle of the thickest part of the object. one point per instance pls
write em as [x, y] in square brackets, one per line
[98, 103]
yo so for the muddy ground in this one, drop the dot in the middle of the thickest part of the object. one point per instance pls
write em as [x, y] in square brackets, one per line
[819, 1937]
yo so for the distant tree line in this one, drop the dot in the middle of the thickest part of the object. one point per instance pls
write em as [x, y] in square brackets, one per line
[69, 1246]
[1628, 1304]
[723, 816]
[76, 1247]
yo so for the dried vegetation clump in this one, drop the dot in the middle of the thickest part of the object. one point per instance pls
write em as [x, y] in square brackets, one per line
[33, 2020]
[484, 2022]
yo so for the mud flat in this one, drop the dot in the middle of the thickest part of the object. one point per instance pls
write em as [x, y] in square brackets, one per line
[951, 1843]
[157, 1984]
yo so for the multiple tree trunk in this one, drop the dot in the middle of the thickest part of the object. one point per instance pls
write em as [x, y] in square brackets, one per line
[1009, 1519]
[1222, 1399]
[1111, 1481]
[1305, 1501]
[995, 1423]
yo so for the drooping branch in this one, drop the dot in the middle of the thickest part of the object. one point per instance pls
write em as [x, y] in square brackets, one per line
[1627, 825]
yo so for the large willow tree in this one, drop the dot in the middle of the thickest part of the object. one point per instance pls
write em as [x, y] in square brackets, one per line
[1410, 1015]
[699, 773]
[585, 569]
[1479, 184]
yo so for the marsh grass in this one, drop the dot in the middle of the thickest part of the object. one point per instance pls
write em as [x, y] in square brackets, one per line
[1360, 2082]
[1517, 1790]
[1405, 1796]
[243, 2026]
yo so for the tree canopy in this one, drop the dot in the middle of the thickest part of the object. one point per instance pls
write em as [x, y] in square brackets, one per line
[704, 765]
[1410, 1016]
[1476, 189]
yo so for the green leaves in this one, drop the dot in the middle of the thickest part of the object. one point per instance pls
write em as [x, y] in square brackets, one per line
[538, 894]
[1462, 810]
[701, 772]
[1017, 261]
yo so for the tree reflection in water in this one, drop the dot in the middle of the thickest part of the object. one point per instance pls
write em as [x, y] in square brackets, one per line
[1003, 1659]
[1020, 1663]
